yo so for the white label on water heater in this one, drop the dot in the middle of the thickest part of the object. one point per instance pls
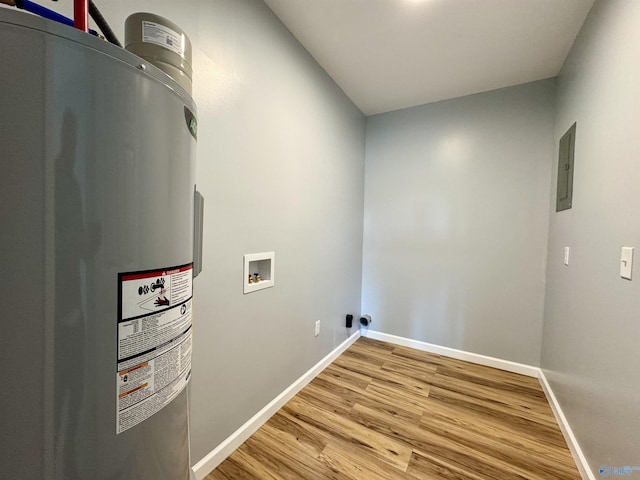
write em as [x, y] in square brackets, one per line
[162, 35]
[154, 341]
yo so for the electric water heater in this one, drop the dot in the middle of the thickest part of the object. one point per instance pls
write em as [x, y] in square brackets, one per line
[97, 188]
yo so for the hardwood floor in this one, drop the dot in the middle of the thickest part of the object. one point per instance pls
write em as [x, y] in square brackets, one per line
[382, 411]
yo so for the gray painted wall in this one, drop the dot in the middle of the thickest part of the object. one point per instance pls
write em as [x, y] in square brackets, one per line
[591, 331]
[456, 216]
[281, 167]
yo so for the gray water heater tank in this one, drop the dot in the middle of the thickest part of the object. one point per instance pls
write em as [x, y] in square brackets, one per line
[162, 43]
[97, 151]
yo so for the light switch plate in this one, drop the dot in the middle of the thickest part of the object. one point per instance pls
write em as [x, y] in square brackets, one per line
[626, 262]
[566, 255]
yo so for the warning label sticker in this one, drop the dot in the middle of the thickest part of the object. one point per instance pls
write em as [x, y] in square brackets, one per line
[154, 341]
[162, 35]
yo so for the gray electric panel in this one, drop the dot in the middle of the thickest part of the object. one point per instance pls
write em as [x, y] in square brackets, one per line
[564, 194]
[97, 158]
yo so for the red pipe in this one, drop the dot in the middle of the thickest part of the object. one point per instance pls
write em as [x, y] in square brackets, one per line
[81, 15]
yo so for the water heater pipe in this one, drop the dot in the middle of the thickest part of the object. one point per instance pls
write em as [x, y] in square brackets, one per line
[43, 12]
[81, 15]
[102, 24]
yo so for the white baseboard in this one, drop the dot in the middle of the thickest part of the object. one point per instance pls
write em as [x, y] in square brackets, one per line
[507, 365]
[237, 438]
[572, 443]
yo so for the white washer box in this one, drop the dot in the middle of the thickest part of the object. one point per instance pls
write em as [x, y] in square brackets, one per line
[263, 264]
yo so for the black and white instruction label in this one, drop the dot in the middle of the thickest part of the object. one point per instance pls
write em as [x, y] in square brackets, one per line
[154, 341]
[162, 35]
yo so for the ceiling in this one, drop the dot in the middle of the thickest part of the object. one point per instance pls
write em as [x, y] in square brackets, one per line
[393, 54]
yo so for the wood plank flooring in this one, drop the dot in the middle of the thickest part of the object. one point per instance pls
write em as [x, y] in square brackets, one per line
[382, 411]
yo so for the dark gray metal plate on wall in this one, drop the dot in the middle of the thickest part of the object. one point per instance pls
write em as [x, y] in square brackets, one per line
[564, 193]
